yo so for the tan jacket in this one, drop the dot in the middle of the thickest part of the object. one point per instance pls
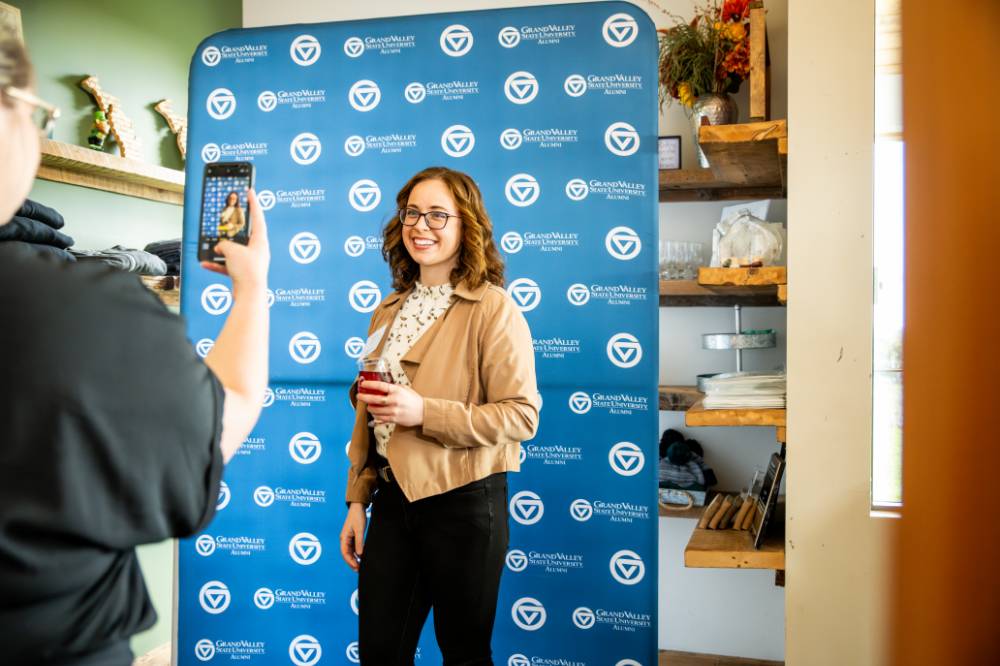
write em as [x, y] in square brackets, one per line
[475, 369]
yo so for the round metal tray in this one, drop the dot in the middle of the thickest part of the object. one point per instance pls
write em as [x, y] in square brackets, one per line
[739, 341]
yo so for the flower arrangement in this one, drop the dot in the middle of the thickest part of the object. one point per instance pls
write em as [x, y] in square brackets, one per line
[709, 54]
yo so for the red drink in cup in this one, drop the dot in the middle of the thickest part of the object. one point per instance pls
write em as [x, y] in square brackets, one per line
[374, 368]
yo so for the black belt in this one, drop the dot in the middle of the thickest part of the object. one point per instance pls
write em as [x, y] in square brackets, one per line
[385, 473]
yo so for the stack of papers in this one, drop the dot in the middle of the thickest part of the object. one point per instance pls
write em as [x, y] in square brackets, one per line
[745, 390]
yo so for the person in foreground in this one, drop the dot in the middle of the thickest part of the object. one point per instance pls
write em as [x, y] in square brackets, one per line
[113, 432]
[443, 434]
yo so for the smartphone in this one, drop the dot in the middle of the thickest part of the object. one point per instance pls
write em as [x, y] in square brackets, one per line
[225, 211]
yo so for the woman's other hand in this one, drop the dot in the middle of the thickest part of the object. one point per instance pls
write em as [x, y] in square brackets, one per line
[352, 536]
[401, 404]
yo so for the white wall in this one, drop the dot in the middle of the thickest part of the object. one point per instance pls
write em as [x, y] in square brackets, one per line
[836, 552]
[698, 607]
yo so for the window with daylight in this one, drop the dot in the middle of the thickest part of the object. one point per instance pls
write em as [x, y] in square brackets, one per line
[888, 221]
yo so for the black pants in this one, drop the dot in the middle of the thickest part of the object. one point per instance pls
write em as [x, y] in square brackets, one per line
[444, 552]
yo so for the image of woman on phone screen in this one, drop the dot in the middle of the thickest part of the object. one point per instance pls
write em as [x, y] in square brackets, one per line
[231, 219]
[445, 397]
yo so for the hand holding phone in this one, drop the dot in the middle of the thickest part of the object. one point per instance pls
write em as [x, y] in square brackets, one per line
[225, 213]
[247, 266]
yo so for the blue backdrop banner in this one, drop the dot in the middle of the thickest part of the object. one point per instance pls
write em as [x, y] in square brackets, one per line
[553, 111]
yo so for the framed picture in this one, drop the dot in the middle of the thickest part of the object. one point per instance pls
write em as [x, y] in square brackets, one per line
[670, 152]
[10, 21]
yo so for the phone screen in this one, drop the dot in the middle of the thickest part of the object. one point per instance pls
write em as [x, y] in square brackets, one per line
[225, 213]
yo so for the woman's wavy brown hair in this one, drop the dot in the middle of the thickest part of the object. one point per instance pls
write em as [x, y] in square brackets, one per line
[479, 260]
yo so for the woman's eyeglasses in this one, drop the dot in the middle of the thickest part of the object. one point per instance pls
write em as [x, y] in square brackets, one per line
[436, 219]
[44, 115]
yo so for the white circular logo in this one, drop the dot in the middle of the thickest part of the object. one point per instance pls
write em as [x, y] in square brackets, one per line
[305, 448]
[304, 347]
[263, 598]
[216, 299]
[628, 662]
[204, 545]
[364, 95]
[521, 87]
[623, 243]
[575, 85]
[522, 190]
[354, 47]
[354, 145]
[621, 139]
[204, 650]
[415, 93]
[305, 50]
[221, 103]
[353, 653]
[458, 141]
[354, 347]
[580, 403]
[214, 597]
[581, 510]
[305, 548]
[364, 296]
[584, 618]
[578, 294]
[270, 298]
[267, 101]
[305, 650]
[577, 189]
[456, 40]
[526, 294]
[528, 613]
[509, 37]
[365, 195]
[526, 507]
[354, 602]
[263, 496]
[305, 247]
[354, 246]
[224, 496]
[511, 242]
[518, 660]
[204, 346]
[266, 199]
[627, 567]
[517, 561]
[624, 350]
[210, 153]
[268, 397]
[511, 138]
[305, 148]
[626, 459]
[620, 30]
[211, 56]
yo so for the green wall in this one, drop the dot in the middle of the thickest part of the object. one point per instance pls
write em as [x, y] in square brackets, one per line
[140, 52]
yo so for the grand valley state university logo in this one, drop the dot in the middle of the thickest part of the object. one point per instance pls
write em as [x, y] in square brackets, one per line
[305, 50]
[456, 40]
[214, 597]
[364, 95]
[221, 103]
[304, 347]
[528, 613]
[305, 549]
[526, 293]
[305, 148]
[216, 299]
[305, 247]
[305, 650]
[624, 350]
[305, 448]
[527, 507]
[522, 189]
[521, 87]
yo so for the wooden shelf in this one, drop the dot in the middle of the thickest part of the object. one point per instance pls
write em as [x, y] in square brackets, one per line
[688, 293]
[167, 288]
[78, 165]
[743, 277]
[748, 161]
[733, 549]
[699, 416]
[679, 398]
[675, 658]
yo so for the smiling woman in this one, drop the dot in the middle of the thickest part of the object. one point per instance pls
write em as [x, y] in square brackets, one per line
[444, 437]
